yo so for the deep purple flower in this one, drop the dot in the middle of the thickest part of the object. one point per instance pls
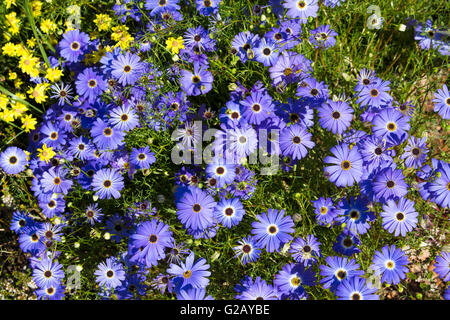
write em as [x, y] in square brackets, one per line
[73, 45]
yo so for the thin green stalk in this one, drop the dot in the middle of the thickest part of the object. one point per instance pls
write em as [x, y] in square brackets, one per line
[33, 27]
[16, 98]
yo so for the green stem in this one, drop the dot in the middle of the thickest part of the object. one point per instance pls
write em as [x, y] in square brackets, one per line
[33, 27]
[16, 98]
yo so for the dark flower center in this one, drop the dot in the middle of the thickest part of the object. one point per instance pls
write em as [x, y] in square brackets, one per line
[347, 242]
[212, 182]
[302, 4]
[314, 92]
[235, 115]
[110, 273]
[374, 92]
[50, 290]
[118, 227]
[197, 38]
[34, 237]
[278, 36]
[51, 204]
[259, 298]
[346, 165]
[273, 229]
[341, 274]
[246, 248]
[54, 135]
[195, 79]
[294, 117]
[49, 234]
[127, 69]
[354, 214]
[107, 183]
[229, 212]
[306, 249]
[256, 107]
[336, 115]
[153, 238]
[12, 160]
[196, 207]
[242, 139]
[356, 296]
[47, 274]
[68, 117]
[57, 181]
[233, 51]
[415, 151]
[75, 45]
[124, 117]
[296, 140]
[366, 81]
[107, 132]
[220, 170]
[378, 151]
[267, 51]
[90, 213]
[246, 47]
[165, 280]
[447, 101]
[22, 223]
[391, 126]
[390, 184]
[162, 3]
[81, 147]
[92, 83]
[400, 216]
[141, 156]
[207, 3]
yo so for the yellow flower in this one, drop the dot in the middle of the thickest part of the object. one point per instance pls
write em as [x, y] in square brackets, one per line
[18, 108]
[125, 41]
[9, 49]
[174, 45]
[7, 115]
[27, 63]
[48, 26]
[31, 43]
[119, 32]
[53, 74]
[38, 92]
[21, 50]
[28, 122]
[9, 3]
[103, 22]
[3, 101]
[36, 7]
[45, 154]
[18, 83]
[13, 22]
[12, 75]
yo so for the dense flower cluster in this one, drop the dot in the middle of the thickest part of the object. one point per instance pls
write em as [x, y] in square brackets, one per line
[106, 93]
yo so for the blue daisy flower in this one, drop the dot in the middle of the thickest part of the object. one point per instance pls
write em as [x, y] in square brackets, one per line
[390, 263]
[190, 274]
[346, 168]
[196, 209]
[306, 251]
[355, 289]
[399, 218]
[110, 273]
[229, 212]
[272, 230]
[338, 269]
[107, 183]
[13, 160]
[291, 280]
[47, 273]
[247, 250]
